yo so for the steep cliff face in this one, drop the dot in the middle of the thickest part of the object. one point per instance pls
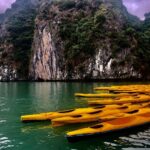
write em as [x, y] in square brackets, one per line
[44, 62]
[16, 34]
[72, 39]
[7, 67]
[56, 58]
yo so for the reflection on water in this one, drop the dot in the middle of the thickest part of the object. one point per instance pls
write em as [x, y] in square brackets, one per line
[17, 99]
[35, 127]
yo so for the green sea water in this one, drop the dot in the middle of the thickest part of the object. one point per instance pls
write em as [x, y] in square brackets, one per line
[17, 99]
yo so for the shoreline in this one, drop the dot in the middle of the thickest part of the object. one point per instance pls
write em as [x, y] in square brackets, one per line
[84, 80]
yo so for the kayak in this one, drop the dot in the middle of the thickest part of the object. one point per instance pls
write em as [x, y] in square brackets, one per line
[118, 91]
[114, 103]
[127, 88]
[102, 95]
[137, 99]
[129, 91]
[114, 98]
[110, 126]
[72, 112]
[101, 115]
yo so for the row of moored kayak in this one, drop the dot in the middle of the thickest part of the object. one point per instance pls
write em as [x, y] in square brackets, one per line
[112, 109]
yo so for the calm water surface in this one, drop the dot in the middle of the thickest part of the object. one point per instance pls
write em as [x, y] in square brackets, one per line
[17, 99]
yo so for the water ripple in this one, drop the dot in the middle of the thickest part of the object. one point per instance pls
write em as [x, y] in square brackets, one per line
[5, 143]
[2, 121]
[3, 138]
[2, 104]
[5, 109]
[140, 139]
[135, 140]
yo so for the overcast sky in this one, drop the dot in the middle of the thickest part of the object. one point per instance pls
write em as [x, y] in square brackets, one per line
[138, 7]
[135, 7]
[4, 4]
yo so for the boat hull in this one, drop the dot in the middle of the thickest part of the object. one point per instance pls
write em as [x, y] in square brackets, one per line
[110, 127]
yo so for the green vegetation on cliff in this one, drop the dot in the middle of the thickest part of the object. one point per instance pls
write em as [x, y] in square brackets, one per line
[83, 34]
[21, 30]
[83, 28]
[80, 35]
[142, 53]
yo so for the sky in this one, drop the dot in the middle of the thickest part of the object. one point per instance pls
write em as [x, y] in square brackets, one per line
[138, 7]
[135, 7]
[4, 4]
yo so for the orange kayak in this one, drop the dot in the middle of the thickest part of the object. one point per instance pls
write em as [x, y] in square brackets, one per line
[110, 126]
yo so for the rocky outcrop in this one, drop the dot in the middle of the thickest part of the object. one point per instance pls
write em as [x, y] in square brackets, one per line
[44, 62]
[48, 61]
[7, 73]
[68, 40]
[7, 68]
[113, 68]
[16, 27]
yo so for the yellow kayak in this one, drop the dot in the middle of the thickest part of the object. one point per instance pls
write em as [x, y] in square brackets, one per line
[113, 98]
[129, 91]
[110, 126]
[119, 90]
[101, 115]
[72, 112]
[138, 99]
[128, 88]
[102, 95]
